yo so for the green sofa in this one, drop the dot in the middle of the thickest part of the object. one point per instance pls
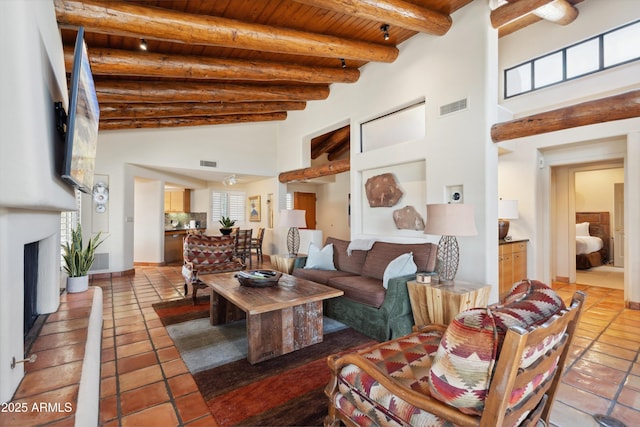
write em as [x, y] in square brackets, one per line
[366, 305]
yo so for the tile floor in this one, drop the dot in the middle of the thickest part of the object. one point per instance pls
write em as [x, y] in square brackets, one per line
[145, 383]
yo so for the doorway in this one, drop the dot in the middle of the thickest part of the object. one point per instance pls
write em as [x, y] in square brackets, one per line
[306, 202]
[586, 192]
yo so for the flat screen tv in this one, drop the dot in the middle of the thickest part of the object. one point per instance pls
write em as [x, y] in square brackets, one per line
[81, 136]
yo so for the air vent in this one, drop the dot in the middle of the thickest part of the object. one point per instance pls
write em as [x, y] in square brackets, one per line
[208, 163]
[453, 107]
[101, 262]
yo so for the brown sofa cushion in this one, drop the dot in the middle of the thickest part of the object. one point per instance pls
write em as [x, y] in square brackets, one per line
[365, 290]
[342, 261]
[319, 276]
[382, 253]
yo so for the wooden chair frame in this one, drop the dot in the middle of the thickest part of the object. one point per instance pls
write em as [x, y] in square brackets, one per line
[508, 375]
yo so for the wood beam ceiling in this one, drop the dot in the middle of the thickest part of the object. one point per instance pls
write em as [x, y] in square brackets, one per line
[617, 107]
[205, 53]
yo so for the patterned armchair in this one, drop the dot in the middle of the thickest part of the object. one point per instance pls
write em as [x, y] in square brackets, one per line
[496, 366]
[207, 254]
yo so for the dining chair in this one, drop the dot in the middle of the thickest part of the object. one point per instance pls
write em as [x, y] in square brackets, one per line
[256, 243]
[243, 245]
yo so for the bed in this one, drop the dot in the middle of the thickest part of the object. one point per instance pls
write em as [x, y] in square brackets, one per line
[593, 238]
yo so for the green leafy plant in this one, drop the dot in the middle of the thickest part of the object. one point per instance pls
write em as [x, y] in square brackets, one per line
[78, 259]
[227, 222]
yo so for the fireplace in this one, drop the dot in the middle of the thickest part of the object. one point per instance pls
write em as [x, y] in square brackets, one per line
[30, 293]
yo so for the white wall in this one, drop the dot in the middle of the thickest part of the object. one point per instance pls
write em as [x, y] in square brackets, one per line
[525, 172]
[31, 193]
[333, 207]
[127, 155]
[148, 233]
[457, 150]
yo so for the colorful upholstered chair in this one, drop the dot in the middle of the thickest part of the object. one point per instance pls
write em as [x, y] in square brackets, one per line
[496, 366]
[205, 255]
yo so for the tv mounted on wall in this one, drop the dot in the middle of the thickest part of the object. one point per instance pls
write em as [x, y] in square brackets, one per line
[81, 133]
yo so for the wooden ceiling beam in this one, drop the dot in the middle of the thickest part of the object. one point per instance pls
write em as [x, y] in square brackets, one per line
[337, 152]
[618, 107]
[146, 64]
[193, 109]
[558, 11]
[393, 12]
[331, 168]
[189, 121]
[141, 91]
[133, 20]
[336, 138]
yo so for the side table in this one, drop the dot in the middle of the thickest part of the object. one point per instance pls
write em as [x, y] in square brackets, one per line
[440, 302]
[285, 262]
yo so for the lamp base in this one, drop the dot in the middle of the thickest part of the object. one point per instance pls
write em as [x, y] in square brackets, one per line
[503, 228]
[293, 241]
[448, 258]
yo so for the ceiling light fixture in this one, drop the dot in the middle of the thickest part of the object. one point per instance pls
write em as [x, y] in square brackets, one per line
[343, 63]
[143, 44]
[230, 180]
[385, 31]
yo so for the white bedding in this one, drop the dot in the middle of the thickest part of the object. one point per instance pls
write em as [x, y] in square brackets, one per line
[588, 244]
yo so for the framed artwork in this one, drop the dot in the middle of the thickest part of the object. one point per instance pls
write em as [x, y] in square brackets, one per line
[254, 208]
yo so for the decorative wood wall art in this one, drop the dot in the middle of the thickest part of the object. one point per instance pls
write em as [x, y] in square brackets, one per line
[254, 208]
[383, 191]
[408, 218]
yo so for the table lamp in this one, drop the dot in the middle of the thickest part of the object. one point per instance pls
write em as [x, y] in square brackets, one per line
[292, 218]
[449, 220]
[507, 209]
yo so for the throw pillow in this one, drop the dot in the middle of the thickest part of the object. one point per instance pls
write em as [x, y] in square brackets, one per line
[462, 368]
[320, 259]
[400, 266]
[582, 229]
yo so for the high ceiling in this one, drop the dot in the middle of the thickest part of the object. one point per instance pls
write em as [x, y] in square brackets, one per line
[235, 61]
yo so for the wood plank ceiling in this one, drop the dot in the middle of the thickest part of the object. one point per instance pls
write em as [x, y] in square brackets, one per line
[228, 61]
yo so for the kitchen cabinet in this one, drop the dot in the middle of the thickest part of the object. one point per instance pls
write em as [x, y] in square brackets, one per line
[173, 245]
[512, 264]
[177, 201]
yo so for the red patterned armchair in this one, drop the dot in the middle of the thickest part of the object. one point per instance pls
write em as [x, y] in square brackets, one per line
[496, 366]
[207, 254]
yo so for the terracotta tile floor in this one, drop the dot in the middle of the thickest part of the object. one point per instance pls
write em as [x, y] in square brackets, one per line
[145, 383]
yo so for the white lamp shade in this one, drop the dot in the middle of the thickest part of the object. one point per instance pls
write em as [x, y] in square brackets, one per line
[507, 209]
[451, 219]
[292, 218]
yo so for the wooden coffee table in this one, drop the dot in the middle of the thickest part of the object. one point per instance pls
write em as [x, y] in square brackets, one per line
[280, 319]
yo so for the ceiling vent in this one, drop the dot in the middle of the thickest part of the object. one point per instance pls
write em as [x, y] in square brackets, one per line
[208, 163]
[453, 107]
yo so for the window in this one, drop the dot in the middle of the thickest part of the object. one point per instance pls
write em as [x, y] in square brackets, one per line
[405, 124]
[231, 204]
[607, 50]
[69, 221]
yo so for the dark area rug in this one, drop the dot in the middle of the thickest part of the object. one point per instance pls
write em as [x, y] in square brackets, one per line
[183, 310]
[285, 391]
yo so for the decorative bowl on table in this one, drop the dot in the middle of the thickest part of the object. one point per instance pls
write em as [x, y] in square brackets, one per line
[258, 278]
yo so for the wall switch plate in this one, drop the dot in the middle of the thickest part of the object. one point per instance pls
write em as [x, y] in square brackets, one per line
[454, 194]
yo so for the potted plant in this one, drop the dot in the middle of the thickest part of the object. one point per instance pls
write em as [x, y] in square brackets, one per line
[226, 223]
[78, 260]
